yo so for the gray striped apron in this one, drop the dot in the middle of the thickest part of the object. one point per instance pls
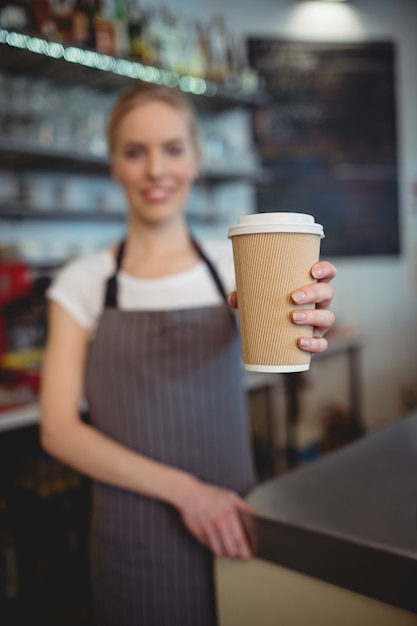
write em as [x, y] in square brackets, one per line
[167, 384]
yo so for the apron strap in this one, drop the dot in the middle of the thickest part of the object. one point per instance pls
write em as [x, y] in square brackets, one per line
[214, 273]
[111, 299]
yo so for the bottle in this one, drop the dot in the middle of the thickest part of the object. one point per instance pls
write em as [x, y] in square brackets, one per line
[136, 21]
[195, 46]
[81, 25]
[61, 13]
[218, 49]
[14, 16]
[41, 20]
[111, 28]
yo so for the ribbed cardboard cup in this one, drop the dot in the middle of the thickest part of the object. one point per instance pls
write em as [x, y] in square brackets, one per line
[273, 255]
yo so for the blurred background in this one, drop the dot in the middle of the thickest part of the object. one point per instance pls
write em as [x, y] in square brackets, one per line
[304, 106]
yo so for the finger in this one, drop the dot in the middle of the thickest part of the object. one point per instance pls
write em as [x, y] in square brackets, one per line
[312, 344]
[320, 294]
[244, 506]
[234, 539]
[319, 318]
[232, 299]
[243, 539]
[213, 542]
[323, 271]
[244, 550]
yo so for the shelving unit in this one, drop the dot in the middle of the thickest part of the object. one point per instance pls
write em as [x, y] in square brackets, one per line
[20, 211]
[26, 56]
[29, 55]
[21, 155]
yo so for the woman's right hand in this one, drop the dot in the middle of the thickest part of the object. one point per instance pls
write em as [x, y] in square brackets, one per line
[211, 514]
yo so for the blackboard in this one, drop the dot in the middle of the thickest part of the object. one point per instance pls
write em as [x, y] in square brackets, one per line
[327, 139]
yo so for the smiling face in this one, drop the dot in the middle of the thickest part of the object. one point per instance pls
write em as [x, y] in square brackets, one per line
[155, 161]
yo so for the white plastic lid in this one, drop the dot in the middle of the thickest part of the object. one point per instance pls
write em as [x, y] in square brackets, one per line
[276, 223]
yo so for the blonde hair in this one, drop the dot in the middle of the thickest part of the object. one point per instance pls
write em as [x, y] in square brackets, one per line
[142, 93]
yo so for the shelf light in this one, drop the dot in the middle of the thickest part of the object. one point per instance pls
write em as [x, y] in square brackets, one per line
[107, 63]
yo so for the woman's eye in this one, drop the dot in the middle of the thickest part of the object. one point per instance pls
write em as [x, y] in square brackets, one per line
[176, 149]
[133, 154]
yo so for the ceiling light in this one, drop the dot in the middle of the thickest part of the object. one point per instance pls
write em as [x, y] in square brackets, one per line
[340, 1]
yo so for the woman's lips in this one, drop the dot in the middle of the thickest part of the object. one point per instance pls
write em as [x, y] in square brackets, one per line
[157, 194]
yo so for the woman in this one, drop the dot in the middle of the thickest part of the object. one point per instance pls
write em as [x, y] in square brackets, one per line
[145, 331]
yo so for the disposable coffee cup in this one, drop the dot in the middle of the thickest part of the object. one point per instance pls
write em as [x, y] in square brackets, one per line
[273, 255]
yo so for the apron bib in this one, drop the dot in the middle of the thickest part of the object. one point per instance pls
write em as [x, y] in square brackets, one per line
[167, 384]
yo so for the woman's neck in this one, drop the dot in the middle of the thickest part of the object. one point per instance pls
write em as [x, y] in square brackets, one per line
[157, 251]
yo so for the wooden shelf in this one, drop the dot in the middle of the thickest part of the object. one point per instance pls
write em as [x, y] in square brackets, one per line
[216, 177]
[15, 56]
[22, 156]
[20, 211]
[19, 417]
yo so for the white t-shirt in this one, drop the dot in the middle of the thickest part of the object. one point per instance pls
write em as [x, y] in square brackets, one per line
[79, 287]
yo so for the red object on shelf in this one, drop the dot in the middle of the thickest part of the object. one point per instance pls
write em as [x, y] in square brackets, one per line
[15, 281]
[28, 378]
[2, 335]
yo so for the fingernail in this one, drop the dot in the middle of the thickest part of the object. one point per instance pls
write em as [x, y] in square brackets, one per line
[298, 296]
[317, 272]
[299, 316]
[304, 342]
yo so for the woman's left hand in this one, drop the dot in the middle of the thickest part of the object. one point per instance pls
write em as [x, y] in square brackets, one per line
[321, 318]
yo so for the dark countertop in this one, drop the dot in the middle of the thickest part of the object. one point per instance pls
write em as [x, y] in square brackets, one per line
[348, 518]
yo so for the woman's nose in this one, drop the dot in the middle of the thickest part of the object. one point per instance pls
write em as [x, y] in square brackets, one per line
[155, 165]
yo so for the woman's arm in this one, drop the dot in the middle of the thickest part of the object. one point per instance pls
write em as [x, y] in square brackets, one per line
[209, 512]
[65, 436]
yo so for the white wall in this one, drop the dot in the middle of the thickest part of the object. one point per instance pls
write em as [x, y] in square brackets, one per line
[377, 295]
